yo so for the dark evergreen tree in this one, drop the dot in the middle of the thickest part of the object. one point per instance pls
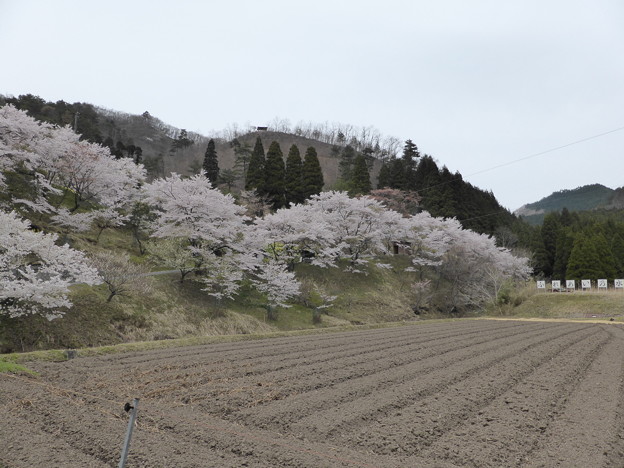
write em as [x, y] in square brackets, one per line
[584, 261]
[540, 255]
[255, 178]
[293, 177]
[183, 141]
[228, 177]
[617, 249]
[312, 175]
[563, 249]
[369, 157]
[550, 232]
[347, 159]
[383, 179]
[410, 160]
[606, 263]
[242, 155]
[138, 155]
[445, 197]
[211, 163]
[427, 174]
[396, 172]
[360, 183]
[274, 176]
[428, 182]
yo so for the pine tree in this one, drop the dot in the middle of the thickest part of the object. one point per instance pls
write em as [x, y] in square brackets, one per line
[409, 158]
[563, 249]
[396, 172]
[211, 163]
[606, 263]
[274, 176]
[383, 179]
[293, 177]
[255, 177]
[183, 141]
[584, 260]
[312, 175]
[617, 249]
[228, 177]
[360, 179]
[346, 163]
[550, 232]
[242, 155]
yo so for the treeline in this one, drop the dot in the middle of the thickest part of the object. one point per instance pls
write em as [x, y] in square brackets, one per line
[83, 118]
[332, 133]
[579, 245]
[441, 192]
[445, 194]
[278, 182]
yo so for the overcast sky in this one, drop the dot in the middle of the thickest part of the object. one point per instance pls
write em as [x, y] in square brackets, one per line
[475, 84]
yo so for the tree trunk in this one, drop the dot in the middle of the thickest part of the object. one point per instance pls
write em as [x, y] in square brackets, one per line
[271, 313]
[316, 315]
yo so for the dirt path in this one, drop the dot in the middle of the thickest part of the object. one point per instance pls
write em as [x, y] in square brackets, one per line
[462, 394]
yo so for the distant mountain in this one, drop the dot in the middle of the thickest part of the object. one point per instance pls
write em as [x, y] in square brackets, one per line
[585, 198]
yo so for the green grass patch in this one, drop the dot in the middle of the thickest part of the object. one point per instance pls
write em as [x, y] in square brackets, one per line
[577, 305]
[14, 368]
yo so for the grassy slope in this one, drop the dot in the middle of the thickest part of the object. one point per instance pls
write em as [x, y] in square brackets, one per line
[576, 306]
[170, 309]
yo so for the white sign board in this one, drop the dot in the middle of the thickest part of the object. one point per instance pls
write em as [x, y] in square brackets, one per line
[586, 284]
[570, 284]
[556, 285]
[619, 284]
[541, 285]
[602, 284]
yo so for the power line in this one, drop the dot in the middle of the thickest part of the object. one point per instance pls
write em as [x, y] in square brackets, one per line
[524, 158]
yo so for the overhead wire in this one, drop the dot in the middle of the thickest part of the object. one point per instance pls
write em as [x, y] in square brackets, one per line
[524, 158]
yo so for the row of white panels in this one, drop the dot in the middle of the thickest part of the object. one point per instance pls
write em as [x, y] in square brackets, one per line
[583, 284]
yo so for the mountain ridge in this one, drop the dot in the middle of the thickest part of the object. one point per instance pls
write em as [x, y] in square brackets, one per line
[584, 198]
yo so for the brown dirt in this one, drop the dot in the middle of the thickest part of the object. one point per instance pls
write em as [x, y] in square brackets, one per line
[461, 394]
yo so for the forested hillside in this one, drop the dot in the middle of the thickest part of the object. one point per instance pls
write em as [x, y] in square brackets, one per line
[83, 231]
[580, 245]
[354, 159]
[588, 197]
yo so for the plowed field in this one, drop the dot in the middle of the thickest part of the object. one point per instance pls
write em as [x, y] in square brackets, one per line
[457, 394]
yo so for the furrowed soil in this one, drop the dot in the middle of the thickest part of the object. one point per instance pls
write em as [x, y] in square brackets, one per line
[474, 393]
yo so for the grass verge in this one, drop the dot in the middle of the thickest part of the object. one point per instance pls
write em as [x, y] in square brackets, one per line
[61, 355]
[582, 306]
[14, 368]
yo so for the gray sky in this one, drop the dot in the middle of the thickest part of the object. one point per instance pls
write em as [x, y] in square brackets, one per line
[476, 84]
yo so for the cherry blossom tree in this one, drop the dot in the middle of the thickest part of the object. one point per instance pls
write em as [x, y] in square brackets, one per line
[35, 273]
[107, 218]
[75, 222]
[89, 172]
[214, 226]
[403, 201]
[24, 146]
[55, 157]
[121, 276]
[294, 233]
[277, 283]
[357, 225]
[174, 253]
[474, 268]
